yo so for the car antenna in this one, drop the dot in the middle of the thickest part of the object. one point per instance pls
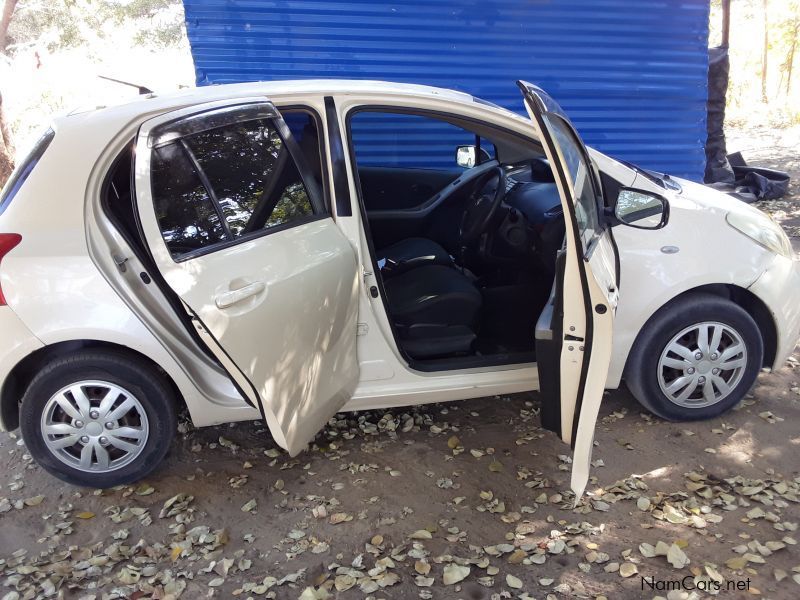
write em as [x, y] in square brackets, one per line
[142, 89]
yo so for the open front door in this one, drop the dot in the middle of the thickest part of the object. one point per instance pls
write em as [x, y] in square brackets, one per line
[575, 342]
[238, 229]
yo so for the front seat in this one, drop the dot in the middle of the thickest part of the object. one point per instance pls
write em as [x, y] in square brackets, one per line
[412, 253]
[434, 309]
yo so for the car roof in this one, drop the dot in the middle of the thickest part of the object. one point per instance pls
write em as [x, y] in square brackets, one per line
[316, 87]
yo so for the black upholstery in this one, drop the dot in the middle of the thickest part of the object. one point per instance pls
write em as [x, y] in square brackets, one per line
[434, 341]
[412, 253]
[432, 294]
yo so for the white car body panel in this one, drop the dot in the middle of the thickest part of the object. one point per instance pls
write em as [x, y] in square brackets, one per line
[18, 342]
[78, 294]
[583, 441]
[709, 252]
[39, 290]
[781, 275]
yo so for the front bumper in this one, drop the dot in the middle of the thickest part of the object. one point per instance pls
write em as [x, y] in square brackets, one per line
[779, 288]
[17, 343]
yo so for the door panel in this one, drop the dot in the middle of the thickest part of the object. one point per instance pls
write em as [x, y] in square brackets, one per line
[596, 374]
[273, 286]
[398, 188]
[392, 193]
[584, 308]
[294, 336]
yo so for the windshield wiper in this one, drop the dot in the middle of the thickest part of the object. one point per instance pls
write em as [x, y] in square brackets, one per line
[661, 179]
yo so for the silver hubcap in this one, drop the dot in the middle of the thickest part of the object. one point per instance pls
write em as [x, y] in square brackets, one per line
[94, 426]
[702, 364]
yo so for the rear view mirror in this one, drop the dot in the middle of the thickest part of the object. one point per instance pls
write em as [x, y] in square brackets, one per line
[643, 210]
[466, 156]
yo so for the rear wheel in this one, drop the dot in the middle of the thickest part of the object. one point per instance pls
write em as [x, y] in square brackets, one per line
[695, 359]
[98, 418]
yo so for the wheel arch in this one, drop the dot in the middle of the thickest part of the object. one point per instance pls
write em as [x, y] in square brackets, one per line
[740, 296]
[21, 375]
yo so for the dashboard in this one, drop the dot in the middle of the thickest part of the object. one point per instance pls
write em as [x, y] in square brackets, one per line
[532, 191]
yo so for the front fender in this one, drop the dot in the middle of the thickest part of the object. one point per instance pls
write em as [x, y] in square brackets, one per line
[696, 248]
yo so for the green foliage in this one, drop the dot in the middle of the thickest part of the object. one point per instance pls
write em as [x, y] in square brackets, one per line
[58, 24]
[782, 84]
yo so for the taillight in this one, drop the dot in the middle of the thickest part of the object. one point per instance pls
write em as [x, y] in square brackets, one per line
[8, 241]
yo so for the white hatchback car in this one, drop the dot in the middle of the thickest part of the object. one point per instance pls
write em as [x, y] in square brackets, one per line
[288, 250]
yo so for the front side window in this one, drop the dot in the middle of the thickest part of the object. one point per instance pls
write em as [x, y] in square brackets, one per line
[398, 140]
[403, 159]
[226, 183]
[586, 211]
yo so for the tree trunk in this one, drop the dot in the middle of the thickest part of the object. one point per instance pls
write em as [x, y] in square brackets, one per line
[790, 58]
[5, 21]
[726, 23]
[6, 148]
[764, 56]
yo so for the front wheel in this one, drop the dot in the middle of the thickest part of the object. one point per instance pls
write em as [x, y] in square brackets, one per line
[98, 418]
[695, 359]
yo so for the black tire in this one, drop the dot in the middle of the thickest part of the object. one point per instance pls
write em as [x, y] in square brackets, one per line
[641, 372]
[129, 372]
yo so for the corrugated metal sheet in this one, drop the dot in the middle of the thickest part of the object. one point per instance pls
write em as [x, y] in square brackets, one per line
[401, 140]
[631, 75]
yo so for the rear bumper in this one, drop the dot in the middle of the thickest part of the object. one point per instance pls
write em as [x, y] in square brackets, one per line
[779, 288]
[17, 343]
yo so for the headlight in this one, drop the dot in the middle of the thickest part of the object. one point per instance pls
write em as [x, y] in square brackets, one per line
[762, 229]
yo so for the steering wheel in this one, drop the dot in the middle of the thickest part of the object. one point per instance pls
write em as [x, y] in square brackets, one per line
[482, 205]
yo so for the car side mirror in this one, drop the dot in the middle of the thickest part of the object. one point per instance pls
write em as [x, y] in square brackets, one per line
[466, 156]
[640, 209]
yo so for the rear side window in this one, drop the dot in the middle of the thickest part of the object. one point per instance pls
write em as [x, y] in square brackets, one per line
[253, 176]
[224, 184]
[186, 216]
[24, 169]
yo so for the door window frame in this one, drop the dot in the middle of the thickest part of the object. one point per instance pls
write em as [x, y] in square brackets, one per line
[414, 364]
[318, 198]
[440, 115]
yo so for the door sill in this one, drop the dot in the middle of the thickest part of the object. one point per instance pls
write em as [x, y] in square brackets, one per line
[472, 362]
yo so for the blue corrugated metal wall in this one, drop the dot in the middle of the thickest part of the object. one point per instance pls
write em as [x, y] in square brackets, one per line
[631, 74]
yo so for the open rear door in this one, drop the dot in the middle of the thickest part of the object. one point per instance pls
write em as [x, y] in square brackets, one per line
[573, 345]
[236, 225]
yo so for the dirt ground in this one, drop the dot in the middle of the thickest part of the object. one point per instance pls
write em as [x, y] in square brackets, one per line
[473, 493]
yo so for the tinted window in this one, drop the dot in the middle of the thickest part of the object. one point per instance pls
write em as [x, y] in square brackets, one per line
[186, 215]
[252, 175]
[304, 131]
[224, 183]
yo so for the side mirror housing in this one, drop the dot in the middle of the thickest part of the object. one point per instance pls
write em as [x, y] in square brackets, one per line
[641, 209]
[466, 156]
